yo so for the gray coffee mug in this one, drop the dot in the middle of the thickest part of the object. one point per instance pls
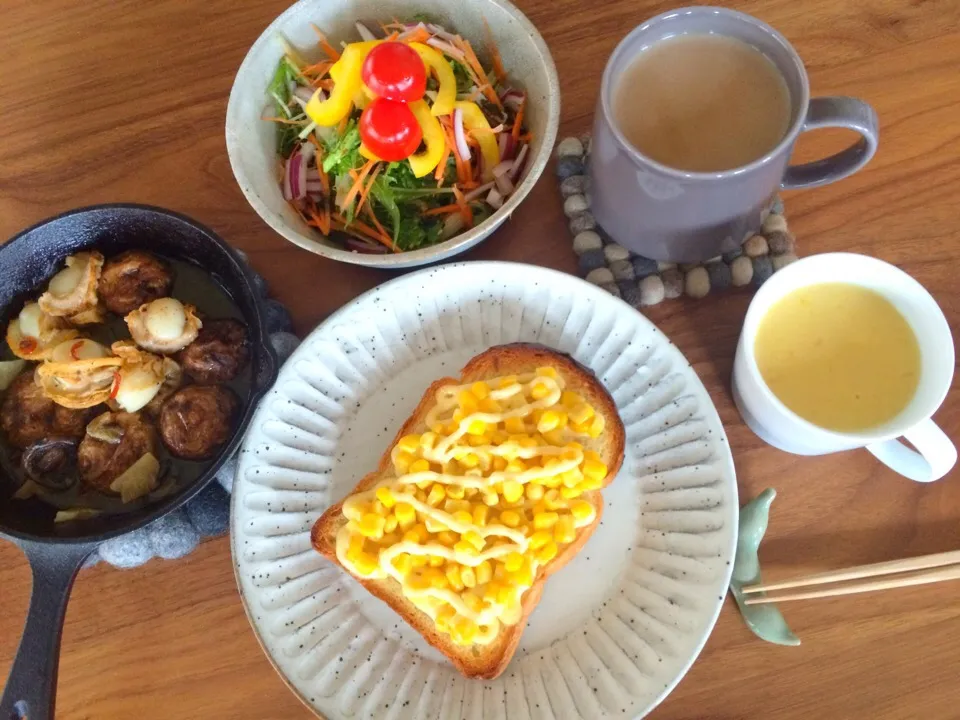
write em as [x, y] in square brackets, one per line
[678, 216]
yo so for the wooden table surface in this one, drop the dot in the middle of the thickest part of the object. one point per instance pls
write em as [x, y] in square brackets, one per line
[123, 100]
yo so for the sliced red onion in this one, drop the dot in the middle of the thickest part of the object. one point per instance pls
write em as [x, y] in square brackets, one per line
[295, 179]
[447, 48]
[363, 246]
[287, 190]
[313, 174]
[316, 197]
[518, 164]
[302, 93]
[502, 144]
[510, 149]
[439, 31]
[503, 168]
[459, 136]
[301, 191]
[365, 32]
[411, 31]
[474, 194]
[495, 199]
[512, 99]
[314, 186]
[504, 185]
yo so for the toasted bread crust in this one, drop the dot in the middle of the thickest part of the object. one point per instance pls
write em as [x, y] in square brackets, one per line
[487, 661]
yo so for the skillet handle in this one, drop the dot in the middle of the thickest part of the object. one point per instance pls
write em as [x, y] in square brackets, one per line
[31, 690]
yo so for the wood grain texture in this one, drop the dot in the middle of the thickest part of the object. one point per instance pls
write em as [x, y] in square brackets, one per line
[111, 100]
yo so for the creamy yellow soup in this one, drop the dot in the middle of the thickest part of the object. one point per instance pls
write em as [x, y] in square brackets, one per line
[839, 355]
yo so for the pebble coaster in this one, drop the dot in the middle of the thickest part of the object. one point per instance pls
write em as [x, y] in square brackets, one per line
[643, 282]
[208, 515]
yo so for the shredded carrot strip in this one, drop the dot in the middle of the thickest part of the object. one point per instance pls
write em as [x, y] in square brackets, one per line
[442, 166]
[361, 228]
[320, 219]
[342, 127]
[494, 51]
[329, 49]
[380, 227]
[366, 191]
[443, 210]
[325, 84]
[320, 69]
[392, 36]
[518, 120]
[526, 137]
[358, 183]
[420, 35]
[465, 210]
[477, 68]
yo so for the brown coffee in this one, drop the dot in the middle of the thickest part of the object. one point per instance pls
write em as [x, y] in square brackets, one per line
[702, 103]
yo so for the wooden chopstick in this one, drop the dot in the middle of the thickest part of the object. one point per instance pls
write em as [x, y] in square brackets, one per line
[920, 577]
[888, 567]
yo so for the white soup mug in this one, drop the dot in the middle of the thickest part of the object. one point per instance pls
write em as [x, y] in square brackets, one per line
[779, 426]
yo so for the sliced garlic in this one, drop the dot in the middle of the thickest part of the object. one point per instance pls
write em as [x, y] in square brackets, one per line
[141, 376]
[75, 514]
[9, 369]
[138, 479]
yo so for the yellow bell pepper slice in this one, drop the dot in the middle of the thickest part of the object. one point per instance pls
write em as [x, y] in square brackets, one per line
[447, 92]
[347, 82]
[368, 153]
[474, 119]
[425, 162]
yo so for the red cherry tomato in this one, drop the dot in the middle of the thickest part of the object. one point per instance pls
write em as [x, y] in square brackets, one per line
[394, 71]
[390, 130]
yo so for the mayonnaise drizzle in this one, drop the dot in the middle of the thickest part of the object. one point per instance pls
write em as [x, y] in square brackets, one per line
[561, 460]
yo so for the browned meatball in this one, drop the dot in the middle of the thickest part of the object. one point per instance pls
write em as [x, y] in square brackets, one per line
[133, 278]
[219, 352]
[28, 416]
[114, 442]
[197, 420]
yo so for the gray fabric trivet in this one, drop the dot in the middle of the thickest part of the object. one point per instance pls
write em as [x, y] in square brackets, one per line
[208, 514]
[643, 282]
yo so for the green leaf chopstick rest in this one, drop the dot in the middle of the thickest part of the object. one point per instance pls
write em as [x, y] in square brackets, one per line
[765, 621]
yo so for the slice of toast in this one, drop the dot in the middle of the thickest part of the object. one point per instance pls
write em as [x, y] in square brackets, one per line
[488, 661]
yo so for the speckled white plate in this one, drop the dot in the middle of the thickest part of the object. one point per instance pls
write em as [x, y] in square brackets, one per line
[616, 629]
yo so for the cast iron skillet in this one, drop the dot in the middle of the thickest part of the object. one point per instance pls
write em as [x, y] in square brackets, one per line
[56, 553]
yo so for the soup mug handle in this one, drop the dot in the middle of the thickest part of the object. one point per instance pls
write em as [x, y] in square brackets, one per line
[932, 459]
[842, 112]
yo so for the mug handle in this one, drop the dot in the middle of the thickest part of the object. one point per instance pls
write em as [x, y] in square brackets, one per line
[933, 458]
[845, 112]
